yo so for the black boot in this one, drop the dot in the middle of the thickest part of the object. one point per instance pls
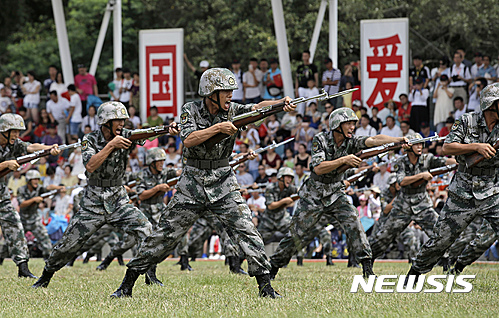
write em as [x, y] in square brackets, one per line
[193, 259]
[151, 277]
[23, 271]
[444, 262]
[329, 260]
[105, 263]
[126, 287]
[352, 261]
[120, 260]
[273, 272]
[457, 269]
[71, 262]
[1, 260]
[87, 258]
[412, 271]
[98, 256]
[299, 261]
[235, 265]
[264, 287]
[367, 268]
[184, 263]
[44, 280]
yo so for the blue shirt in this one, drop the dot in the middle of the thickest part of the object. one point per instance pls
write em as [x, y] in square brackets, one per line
[265, 77]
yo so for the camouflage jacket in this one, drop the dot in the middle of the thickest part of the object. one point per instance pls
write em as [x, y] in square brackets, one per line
[471, 128]
[99, 199]
[148, 180]
[29, 214]
[11, 152]
[216, 183]
[272, 194]
[404, 168]
[325, 149]
[386, 198]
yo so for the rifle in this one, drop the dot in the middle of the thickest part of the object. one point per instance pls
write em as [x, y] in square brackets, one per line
[256, 190]
[173, 181]
[139, 134]
[363, 189]
[37, 154]
[49, 193]
[295, 197]
[376, 151]
[132, 184]
[364, 172]
[134, 197]
[475, 158]
[264, 112]
[436, 172]
[236, 162]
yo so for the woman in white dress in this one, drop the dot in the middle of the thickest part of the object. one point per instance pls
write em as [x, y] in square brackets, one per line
[444, 104]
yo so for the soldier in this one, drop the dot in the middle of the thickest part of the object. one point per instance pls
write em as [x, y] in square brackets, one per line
[323, 193]
[105, 155]
[12, 147]
[29, 198]
[207, 183]
[464, 240]
[473, 191]
[412, 203]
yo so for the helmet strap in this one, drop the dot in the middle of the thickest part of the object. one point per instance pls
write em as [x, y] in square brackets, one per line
[216, 102]
[7, 136]
[340, 131]
[153, 166]
[109, 126]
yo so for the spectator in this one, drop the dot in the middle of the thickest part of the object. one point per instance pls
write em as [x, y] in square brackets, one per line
[253, 136]
[5, 101]
[264, 68]
[331, 77]
[52, 178]
[133, 117]
[444, 105]
[256, 203]
[31, 91]
[85, 85]
[374, 204]
[16, 181]
[289, 160]
[302, 158]
[74, 112]
[365, 129]
[300, 175]
[443, 69]
[475, 90]
[17, 91]
[76, 162]
[461, 77]
[273, 81]
[51, 79]
[375, 121]
[347, 98]
[40, 129]
[325, 116]
[427, 132]
[418, 97]
[356, 105]
[172, 156]
[26, 135]
[203, 65]
[272, 160]
[406, 129]
[135, 91]
[238, 94]
[309, 91]
[315, 115]
[305, 72]
[391, 129]
[69, 180]
[304, 134]
[90, 120]
[288, 124]
[244, 178]
[52, 138]
[58, 85]
[346, 77]
[404, 111]
[154, 120]
[114, 86]
[487, 71]
[465, 61]
[477, 66]
[380, 179]
[448, 125]
[125, 87]
[418, 71]
[61, 200]
[362, 208]
[262, 176]
[57, 107]
[459, 107]
[273, 126]
[251, 82]
[390, 109]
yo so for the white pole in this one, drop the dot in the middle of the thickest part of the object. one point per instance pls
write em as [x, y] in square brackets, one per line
[317, 29]
[62, 39]
[100, 39]
[117, 40]
[282, 47]
[333, 31]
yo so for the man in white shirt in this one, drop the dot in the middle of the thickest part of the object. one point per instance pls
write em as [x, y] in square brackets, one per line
[243, 178]
[365, 129]
[251, 82]
[331, 77]
[419, 110]
[310, 91]
[238, 94]
[300, 175]
[58, 110]
[391, 129]
[406, 129]
[459, 106]
[256, 203]
[380, 179]
[478, 65]
[126, 85]
[74, 111]
[461, 77]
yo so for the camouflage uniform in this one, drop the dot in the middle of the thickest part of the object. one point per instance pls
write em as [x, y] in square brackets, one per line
[411, 204]
[200, 190]
[485, 237]
[464, 239]
[324, 196]
[32, 220]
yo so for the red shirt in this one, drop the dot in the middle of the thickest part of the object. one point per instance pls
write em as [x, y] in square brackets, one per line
[443, 132]
[86, 84]
[404, 114]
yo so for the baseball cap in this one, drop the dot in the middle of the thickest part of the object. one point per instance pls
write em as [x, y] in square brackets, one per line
[424, 125]
[327, 60]
[235, 61]
[81, 66]
[204, 63]
[273, 60]
[418, 80]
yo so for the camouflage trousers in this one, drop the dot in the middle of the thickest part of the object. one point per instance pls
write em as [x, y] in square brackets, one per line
[396, 222]
[13, 233]
[271, 227]
[456, 215]
[85, 223]
[485, 237]
[464, 239]
[40, 232]
[303, 229]
[324, 239]
[106, 234]
[183, 210]
[410, 242]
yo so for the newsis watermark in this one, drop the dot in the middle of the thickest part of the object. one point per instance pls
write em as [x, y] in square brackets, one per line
[391, 283]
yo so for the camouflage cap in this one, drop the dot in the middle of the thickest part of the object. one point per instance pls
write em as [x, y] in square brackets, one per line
[341, 115]
[216, 79]
[155, 154]
[32, 174]
[392, 179]
[488, 96]
[285, 171]
[11, 121]
[111, 110]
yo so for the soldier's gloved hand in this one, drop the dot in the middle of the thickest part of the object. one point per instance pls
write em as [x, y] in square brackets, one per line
[120, 142]
[426, 176]
[227, 128]
[485, 150]
[12, 165]
[174, 129]
[352, 160]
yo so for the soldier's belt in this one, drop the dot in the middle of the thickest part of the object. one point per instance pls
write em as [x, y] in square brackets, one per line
[413, 191]
[478, 171]
[207, 164]
[322, 178]
[103, 183]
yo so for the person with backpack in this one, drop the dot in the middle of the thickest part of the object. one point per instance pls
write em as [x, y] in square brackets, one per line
[460, 77]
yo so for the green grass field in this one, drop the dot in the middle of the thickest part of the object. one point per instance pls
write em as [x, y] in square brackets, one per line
[210, 291]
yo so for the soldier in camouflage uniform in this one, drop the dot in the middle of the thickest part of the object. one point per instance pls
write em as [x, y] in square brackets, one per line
[412, 203]
[29, 198]
[12, 147]
[464, 239]
[323, 193]
[207, 183]
[473, 191]
[105, 155]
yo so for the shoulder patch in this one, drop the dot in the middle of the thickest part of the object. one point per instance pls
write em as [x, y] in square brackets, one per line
[456, 124]
[183, 118]
[84, 145]
[315, 146]
[395, 167]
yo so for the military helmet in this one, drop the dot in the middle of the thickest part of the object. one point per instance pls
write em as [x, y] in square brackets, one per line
[11, 121]
[392, 179]
[488, 96]
[155, 154]
[341, 115]
[216, 79]
[111, 110]
[32, 174]
[285, 171]
[414, 136]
